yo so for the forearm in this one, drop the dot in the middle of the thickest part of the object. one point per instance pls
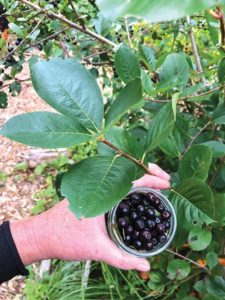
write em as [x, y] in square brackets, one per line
[31, 239]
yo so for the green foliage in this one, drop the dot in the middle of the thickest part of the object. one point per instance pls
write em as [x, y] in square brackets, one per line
[196, 162]
[126, 63]
[137, 86]
[107, 180]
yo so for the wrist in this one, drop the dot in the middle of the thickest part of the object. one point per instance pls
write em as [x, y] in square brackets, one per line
[31, 239]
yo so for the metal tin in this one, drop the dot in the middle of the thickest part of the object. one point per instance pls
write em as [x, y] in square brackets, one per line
[115, 234]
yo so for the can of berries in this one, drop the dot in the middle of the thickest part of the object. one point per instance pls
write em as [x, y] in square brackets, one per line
[143, 223]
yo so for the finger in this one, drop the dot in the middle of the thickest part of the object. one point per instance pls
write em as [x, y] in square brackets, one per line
[157, 171]
[151, 182]
[119, 259]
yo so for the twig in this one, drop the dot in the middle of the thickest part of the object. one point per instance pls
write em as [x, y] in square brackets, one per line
[187, 97]
[128, 34]
[119, 151]
[195, 51]
[68, 22]
[218, 169]
[46, 39]
[94, 54]
[17, 80]
[76, 15]
[195, 137]
[65, 50]
[23, 41]
[189, 260]
[87, 270]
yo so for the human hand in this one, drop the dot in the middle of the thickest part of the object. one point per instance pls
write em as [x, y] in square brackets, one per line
[57, 233]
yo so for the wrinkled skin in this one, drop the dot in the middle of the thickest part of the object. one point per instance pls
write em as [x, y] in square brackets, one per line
[57, 233]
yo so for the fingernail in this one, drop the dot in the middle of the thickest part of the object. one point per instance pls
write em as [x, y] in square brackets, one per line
[143, 267]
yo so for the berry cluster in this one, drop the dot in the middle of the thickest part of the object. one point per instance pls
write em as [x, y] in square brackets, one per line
[143, 221]
[55, 3]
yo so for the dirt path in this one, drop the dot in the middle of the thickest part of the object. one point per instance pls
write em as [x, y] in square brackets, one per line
[16, 194]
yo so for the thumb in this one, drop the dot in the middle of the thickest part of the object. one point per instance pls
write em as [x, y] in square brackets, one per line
[119, 259]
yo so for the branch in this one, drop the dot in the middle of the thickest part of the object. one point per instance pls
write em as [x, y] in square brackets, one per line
[195, 137]
[68, 22]
[23, 41]
[76, 15]
[187, 97]
[195, 50]
[189, 260]
[17, 80]
[119, 151]
[46, 39]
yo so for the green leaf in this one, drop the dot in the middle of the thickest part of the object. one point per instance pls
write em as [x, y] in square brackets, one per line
[130, 96]
[102, 25]
[170, 146]
[154, 10]
[193, 203]
[211, 259]
[218, 149]
[175, 70]
[94, 185]
[175, 98]
[213, 31]
[219, 114]
[161, 127]
[147, 56]
[221, 71]
[127, 64]
[45, 129]
[199, 239]
[69, 88]
[3, 100]
[219, 202]
[123, 140]
[147, 83]
[178, 269]
[215, 285]
[196, 162]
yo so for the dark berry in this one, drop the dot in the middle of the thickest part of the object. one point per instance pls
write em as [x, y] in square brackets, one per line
[139, 224]
[149, 246]
[40, 47]
[151, 197]
[133, 216]
[162, 239]
[136, 198]
[129, 229]
[137, 244]
[165, 214]
[154, 233]
[160, 207]
[160, 228]
[140, 209]
[1, 83]
[145, 235]
[123, 209]
[128, 239]
[150, 224]
[145, 201]
[166, 224]
[136, 235]
[157, 220]
[154, 241]
[123, 222]
[157, 202]
[150, 213]
[10, 49]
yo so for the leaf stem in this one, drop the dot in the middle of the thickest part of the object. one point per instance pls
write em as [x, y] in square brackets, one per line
[189, 260]
[128, 34]
[68, 22]
[121, 152]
